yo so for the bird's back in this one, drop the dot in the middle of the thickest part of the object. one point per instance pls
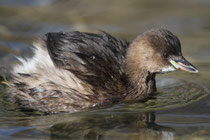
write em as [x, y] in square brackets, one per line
[94, 58]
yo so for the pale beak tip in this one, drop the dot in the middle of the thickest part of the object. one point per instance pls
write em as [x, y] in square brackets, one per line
[184, 66]
[196, 71]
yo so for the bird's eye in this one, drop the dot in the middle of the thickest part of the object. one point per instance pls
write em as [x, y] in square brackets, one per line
[164, 54]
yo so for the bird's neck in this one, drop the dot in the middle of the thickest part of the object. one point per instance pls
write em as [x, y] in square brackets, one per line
[141, 85]
[141, 81]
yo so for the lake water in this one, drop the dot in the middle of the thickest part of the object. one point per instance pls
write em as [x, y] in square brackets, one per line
[182, 109]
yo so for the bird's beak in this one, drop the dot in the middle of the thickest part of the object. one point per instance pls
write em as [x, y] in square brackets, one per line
[183, 64]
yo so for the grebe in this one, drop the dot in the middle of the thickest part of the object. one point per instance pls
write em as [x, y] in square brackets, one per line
[74, 71]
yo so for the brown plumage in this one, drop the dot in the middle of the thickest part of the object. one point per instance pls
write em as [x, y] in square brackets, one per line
[75, 71]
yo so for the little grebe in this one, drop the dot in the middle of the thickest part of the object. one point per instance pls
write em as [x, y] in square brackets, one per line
[74, 71]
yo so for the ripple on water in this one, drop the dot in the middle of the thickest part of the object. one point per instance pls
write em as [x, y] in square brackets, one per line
[136, 118]
[172, 93]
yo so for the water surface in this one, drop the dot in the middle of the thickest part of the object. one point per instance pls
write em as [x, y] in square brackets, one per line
[181, 109]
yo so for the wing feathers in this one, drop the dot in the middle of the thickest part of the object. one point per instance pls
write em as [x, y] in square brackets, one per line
[92, 57]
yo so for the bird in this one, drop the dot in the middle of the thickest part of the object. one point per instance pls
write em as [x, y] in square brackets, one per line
[77, 71]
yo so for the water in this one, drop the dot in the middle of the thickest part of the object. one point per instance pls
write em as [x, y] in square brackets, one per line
[180, 112]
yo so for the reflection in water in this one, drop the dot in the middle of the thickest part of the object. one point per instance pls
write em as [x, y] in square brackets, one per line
[121, 126]
[121, 121]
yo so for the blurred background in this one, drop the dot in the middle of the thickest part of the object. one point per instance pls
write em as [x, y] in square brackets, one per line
[22, 21]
